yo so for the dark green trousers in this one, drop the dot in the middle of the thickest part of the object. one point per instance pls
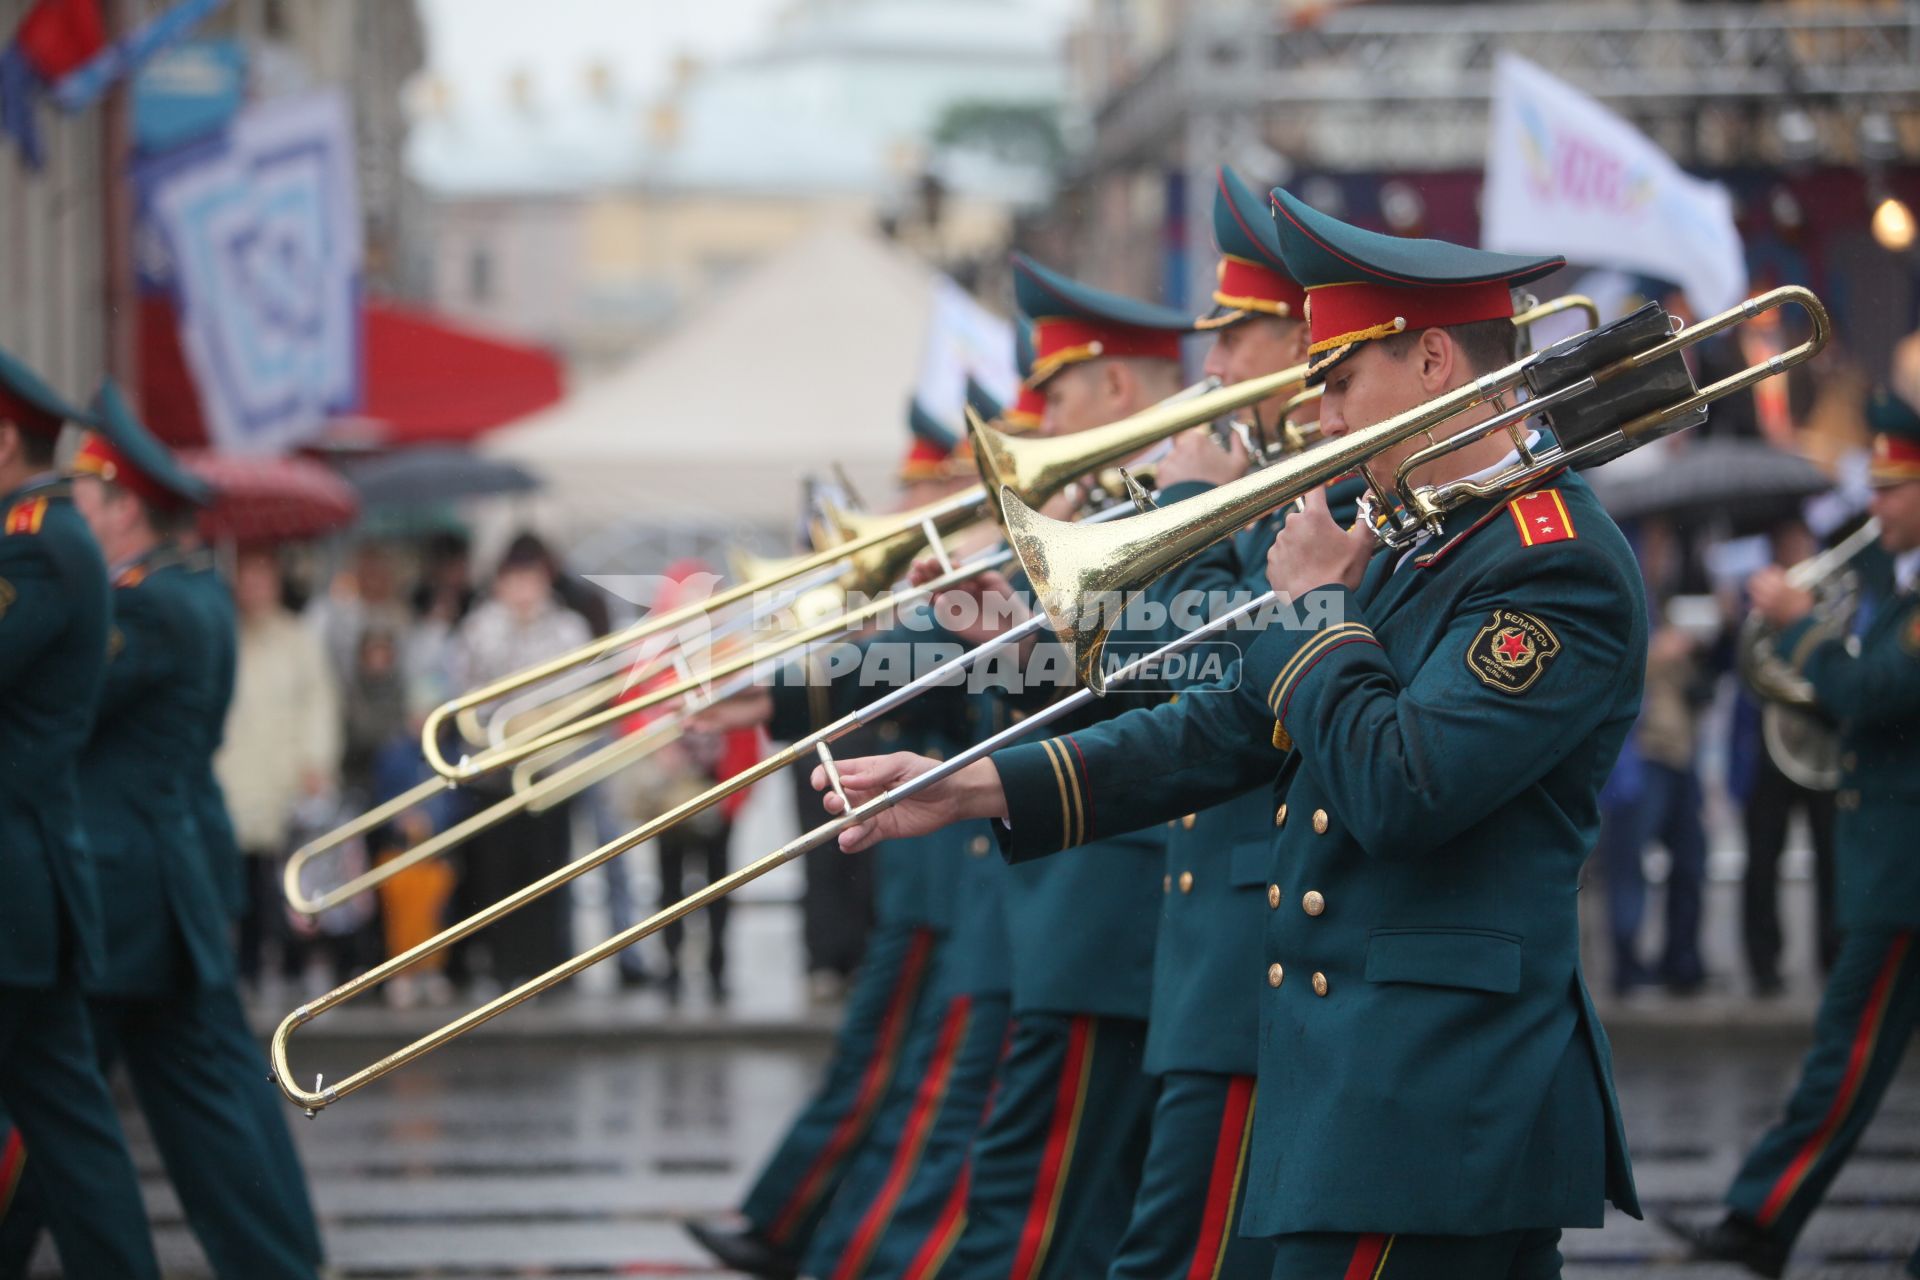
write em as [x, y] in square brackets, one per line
[1867, 1018]
[800, 1179]
[1057, 1163]
[1507, 1255]
[50, 1081]
[897, 1193]
[203, 1109]
[1186, 1216]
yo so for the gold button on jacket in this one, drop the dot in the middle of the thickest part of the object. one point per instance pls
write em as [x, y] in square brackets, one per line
[1319, 984]
[1166, 883]
[1273, 896]
[1319, 822]
[1274, 974]
[980, 846]
[1186, 882]
[1280, 816]
[1187, 821]
[1313, 903]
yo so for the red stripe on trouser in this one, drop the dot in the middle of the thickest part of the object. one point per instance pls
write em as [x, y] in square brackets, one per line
[1368, 1254]
[873, 1087]
[13, 1161]
[933, 1091]
[932, 1255]
[1034, 1236]
[1223, 1182]
[1858, 1060]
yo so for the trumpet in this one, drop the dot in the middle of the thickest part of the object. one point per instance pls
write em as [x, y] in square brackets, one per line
[1799, 738]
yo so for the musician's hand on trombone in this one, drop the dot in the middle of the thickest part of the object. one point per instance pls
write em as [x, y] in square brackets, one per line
[1199, 455]
[977, 609]
[1776, 599]
[748, 709]
[973, 792]
[1312, 550]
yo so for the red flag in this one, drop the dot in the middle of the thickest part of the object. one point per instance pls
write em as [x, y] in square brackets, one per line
[58, 35]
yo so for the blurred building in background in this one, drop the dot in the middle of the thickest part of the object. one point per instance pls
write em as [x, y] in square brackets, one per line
[1809, 112]
[590, 210]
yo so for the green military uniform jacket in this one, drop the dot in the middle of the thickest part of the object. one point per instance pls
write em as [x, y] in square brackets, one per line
[53, 653]
[1871, 685]
[1439, 739]
[211, 819]
[1206, 990]
[165, 915]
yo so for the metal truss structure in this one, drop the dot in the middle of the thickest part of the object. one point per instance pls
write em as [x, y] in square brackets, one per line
[1385, 87]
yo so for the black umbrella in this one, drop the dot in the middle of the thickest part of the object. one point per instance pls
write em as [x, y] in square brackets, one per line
[416, 477]
[1741, 485]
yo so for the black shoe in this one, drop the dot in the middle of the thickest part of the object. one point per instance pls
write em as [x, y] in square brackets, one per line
[747, 1251]
[1735, 1238]
[1768, 986]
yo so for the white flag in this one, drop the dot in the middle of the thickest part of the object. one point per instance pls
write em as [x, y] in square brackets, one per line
[963, 339]
[1565, 175]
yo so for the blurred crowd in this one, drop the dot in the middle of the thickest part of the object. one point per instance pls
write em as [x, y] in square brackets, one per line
[1698, 752]
[332, 693]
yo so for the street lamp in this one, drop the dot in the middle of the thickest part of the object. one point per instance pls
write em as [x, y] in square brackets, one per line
[1893, 225]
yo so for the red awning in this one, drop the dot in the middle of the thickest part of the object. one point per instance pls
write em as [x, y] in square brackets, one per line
[426, 379]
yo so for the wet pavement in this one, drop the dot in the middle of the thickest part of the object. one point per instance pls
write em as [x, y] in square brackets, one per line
[514, 1158]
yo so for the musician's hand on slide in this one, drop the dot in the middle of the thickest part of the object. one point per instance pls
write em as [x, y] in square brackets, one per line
[1197, 455]
[973, 792]
[1776, 599]
[977, 608]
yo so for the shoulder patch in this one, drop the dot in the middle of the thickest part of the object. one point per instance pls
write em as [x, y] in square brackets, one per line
[1541, 516]
[1511, 651]
[27, 515]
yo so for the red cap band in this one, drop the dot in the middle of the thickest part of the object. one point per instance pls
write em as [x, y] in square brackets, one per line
[1029, 410]
[99, 458]
[1060, 342]
[1339, 314]
[1249, 286]
[1895, 460]
[924, 461]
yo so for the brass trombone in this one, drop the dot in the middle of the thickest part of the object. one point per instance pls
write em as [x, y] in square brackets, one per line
[1036, 468]
[1080, 574]
[1321, 463]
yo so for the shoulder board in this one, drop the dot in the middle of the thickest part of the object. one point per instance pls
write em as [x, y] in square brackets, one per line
[132, 576]
[27, 515]
[1541, 516]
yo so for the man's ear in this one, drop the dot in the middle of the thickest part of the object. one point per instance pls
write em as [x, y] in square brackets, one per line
[1439, 355]
[1117, 381]
[1299, 338]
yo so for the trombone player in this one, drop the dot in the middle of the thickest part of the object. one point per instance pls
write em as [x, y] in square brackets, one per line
[1869, 681]
[1431, 734]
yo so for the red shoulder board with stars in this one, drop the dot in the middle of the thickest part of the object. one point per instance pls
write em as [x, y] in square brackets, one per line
[1540, 517]
[27, 515]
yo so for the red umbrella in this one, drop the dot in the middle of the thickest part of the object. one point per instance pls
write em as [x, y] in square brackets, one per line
[271, 499]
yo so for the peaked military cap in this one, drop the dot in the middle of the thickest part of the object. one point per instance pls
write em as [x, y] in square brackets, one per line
[124, 452]
[1252, 277]
[931, 448]
[1029, 408]
[1896, 439]
[29, 403]
[983, 401]
[1363, 284]
[1073, 322]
